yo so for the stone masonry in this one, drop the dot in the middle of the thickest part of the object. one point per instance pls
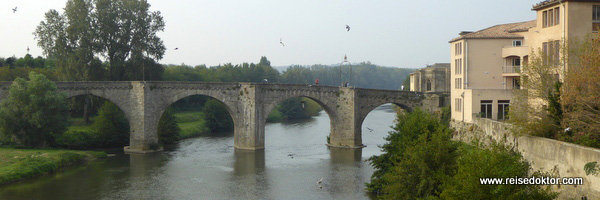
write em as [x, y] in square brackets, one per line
[249, 104]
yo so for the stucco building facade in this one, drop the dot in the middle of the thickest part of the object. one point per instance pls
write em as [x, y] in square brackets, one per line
[486, 64]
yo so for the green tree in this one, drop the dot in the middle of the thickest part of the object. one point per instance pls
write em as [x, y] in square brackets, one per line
[120, 31]
[217, 117]
[127, 30]
[111, 126]
[168, 130]
[34, 112]
[412, 129]
[495, 161]
[425, 165]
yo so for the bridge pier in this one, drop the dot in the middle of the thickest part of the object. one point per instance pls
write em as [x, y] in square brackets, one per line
[143, 120]
[345, 127]
[249, 130]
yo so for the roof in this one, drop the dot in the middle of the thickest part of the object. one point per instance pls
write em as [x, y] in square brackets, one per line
[548, 3]
[502, 31]
[439, 65]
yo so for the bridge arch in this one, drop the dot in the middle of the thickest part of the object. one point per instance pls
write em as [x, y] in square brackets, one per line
[231, 108]
[123, 105]
[270, 106]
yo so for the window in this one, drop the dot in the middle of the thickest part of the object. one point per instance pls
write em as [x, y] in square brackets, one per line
[486, 109]
[516, 83]
[596, 18]
[551, 18]
[458, 104]
[458, 48]
[503, 106]
[545, 51]
[458, 83]
[556, 52]
[458, 66]
[516, 62]
[428, 85]
[517, 43]
[545, 19]
[556, 15]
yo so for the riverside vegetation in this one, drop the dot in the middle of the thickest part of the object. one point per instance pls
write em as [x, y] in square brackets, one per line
[420, 161]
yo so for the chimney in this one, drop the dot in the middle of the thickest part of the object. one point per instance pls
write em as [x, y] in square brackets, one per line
[464, 33]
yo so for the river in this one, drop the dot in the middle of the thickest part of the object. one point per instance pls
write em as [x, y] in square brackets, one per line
[294, 159]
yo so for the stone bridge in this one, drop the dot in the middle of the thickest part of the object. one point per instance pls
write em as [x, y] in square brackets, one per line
[249, 104]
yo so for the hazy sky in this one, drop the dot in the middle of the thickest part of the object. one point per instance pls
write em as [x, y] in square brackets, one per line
[399, 33]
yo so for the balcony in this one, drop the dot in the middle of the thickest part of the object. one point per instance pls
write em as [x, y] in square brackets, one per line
[515, 51]
[511, 70]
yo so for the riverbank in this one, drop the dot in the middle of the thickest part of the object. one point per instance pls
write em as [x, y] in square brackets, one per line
[19, 164]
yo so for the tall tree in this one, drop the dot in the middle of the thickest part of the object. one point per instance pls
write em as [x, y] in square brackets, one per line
[34, 112]
[116, 30]
[127, 30]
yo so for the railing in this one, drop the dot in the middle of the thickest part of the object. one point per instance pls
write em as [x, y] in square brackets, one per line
[511, 69]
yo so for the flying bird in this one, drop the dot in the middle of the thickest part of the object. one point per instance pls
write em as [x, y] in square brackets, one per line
[176, 48]
[14, 9]
[27, 49]
[370, 130]
[281, 42]
[347, 28]
[319, 182]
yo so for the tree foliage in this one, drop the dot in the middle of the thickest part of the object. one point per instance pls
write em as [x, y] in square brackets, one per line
[217, 117]
[34, 112]
[529, 107]
[418, 147]
[168, 131]
[123, 32]
[581, 92]
[495, 161]
[111, 126]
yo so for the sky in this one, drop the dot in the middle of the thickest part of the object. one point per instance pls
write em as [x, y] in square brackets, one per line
[394, 33]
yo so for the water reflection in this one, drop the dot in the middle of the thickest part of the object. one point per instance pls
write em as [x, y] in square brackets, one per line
[344, 178]
[209, 167]
[248, 174]
[248, 162]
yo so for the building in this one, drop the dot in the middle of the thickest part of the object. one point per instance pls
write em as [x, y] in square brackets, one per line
[486, 64]
[433, 78]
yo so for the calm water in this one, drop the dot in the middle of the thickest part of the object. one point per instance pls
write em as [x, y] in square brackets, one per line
[294, 159]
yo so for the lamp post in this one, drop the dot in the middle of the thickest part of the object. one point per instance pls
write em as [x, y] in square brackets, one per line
[344, 61]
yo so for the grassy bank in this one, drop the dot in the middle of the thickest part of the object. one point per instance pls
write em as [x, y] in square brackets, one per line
[191, 124]
[18, 164]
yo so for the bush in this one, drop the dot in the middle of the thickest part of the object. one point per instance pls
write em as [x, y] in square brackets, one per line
[111, 126]
[414, 130]
[496, 161]
[168, 130]
[34, 112]
[217, 117]
[76, 139]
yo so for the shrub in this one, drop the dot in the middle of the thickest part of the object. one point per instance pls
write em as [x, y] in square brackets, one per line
[76, 139]
[111, 126]
[34, 112]
[168, 130]
[217, 117]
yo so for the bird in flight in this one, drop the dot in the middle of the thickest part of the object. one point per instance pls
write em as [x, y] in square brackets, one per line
[176, 48]
[347, 28]
[281, 42]
[14, 9]
[27, 49]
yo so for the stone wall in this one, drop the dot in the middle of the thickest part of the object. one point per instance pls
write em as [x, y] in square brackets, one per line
[561, 159]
